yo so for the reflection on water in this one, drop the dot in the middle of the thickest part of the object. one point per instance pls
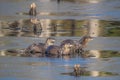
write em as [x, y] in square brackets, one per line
[60, 28]
[88, 73]
[85, 54]
[38, 68]
[102, 54]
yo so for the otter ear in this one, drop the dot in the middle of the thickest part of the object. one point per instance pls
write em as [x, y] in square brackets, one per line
[33, 5]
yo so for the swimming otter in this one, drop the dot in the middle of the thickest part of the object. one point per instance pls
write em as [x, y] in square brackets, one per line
[76, 67]
[78, 71]
[40, 47]
[32, 11]
[71, 42]
[77, 46]
[59, 50]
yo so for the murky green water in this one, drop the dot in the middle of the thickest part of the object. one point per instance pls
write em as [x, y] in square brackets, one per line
[67, 19]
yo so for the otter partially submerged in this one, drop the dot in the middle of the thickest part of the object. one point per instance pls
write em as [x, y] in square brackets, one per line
[32, 11]
[39, 48]
[77, 46]
[78, 71]
[67, 47]
[59, 50]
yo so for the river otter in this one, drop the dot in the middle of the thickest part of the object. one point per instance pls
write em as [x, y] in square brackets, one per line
[78, 71]
[77, 46]
[40, 47]
[59, 50]
[84, 40]
[32, 11]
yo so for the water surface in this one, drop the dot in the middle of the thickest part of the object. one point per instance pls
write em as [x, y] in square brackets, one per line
[67, 19]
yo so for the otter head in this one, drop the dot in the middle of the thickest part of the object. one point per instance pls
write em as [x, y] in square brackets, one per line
[85, 40]
[76, 67]
[66, 49]
[33, 6]
[50, 41]
[88, 38]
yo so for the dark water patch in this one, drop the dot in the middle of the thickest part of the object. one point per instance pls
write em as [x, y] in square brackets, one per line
[107, 54]
[111, 28]
[102, 54]
[89, 73]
